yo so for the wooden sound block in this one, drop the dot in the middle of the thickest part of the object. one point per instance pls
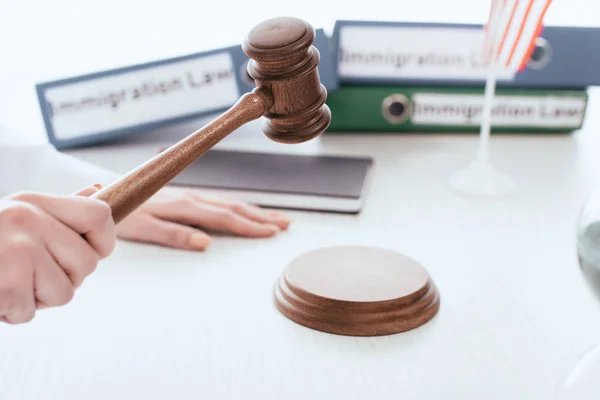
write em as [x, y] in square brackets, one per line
[357, 291]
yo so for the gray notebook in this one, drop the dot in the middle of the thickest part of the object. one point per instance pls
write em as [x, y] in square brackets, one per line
[309, 182]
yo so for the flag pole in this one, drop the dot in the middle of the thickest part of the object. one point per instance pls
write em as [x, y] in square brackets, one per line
[480, 178]
[483, 153]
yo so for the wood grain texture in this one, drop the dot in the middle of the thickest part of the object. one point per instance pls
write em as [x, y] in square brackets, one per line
[357, 291]
[133, 189]
[284, 62]
[288, 93]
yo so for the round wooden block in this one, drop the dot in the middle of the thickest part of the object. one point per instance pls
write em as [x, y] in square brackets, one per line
[357, 291]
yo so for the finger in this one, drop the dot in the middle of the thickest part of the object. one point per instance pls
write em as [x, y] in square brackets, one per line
[256, 214]
[53, 288]
[249, 211]
[71, 252]
[87, 216]
[103, 240]
[220, 219]
[150, 229]
[260, 215]
[88, 191]
[17, 301]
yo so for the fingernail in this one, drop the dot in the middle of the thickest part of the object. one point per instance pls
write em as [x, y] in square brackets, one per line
[99, 186]
[199, 240]
[285, 220]
[280, 217]
[273, 228]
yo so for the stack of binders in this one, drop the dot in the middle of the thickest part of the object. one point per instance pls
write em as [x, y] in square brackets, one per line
[380, 77]
[429, 77]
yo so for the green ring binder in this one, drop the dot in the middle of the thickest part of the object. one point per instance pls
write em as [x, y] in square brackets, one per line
[375, 108]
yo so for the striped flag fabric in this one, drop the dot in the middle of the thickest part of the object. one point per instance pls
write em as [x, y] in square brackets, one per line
[511, 32]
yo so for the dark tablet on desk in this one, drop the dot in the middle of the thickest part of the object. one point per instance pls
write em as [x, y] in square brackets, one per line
[307, 182]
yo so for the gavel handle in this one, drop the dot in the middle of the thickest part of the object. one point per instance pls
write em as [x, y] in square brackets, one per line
[130, 191]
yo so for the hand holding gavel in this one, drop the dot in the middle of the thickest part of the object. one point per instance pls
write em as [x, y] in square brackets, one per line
[50, 244]
[288, 93]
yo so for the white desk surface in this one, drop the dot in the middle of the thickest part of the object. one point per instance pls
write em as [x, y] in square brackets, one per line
[155, 323]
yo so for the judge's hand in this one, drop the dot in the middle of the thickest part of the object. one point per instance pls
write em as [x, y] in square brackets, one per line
[43, 256]
[182, 218]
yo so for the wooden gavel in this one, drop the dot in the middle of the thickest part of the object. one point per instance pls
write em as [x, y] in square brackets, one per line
[288, 93]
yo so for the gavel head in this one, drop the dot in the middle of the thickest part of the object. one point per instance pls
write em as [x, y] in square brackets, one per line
[284, 63]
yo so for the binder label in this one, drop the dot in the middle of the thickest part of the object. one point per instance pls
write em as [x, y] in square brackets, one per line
[413, 53]
[139, 96]
[507, 110]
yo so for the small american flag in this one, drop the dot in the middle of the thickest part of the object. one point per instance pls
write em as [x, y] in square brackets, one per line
[511, 32]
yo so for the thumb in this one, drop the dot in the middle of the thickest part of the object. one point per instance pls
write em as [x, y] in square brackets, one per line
[88, 191]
